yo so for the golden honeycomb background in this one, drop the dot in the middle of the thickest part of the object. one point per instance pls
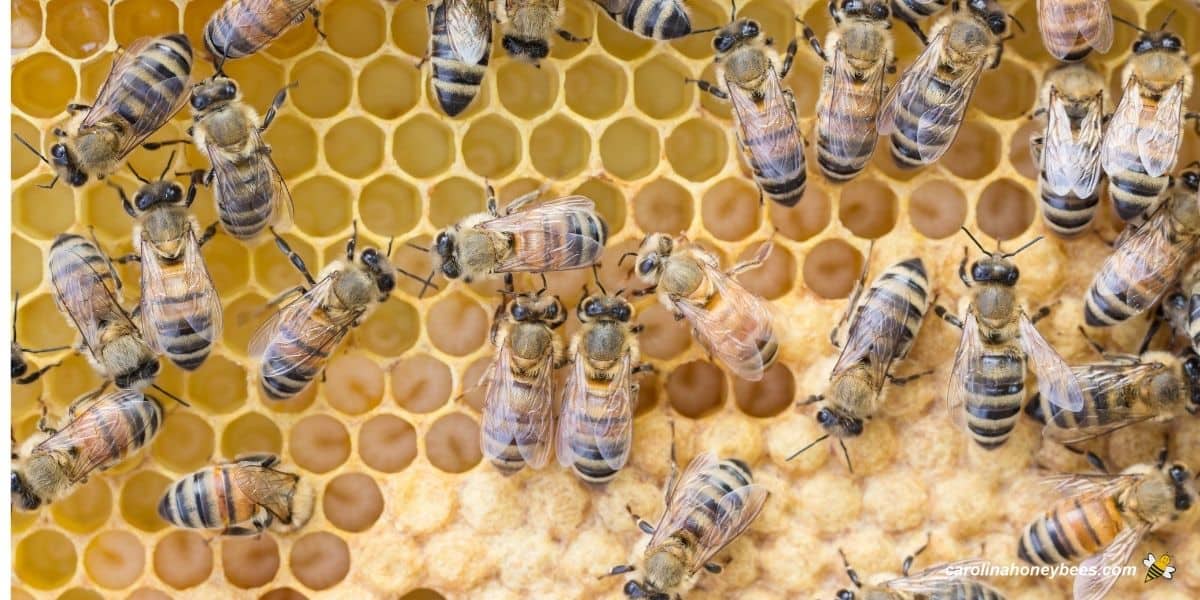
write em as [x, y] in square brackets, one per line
[405, 507]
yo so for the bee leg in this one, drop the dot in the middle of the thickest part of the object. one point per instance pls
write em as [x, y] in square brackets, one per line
[916, 29]
[492, 205]
[644, 368]
[850, 572]
[641, 523]
[128, 258]
[209, 233]
[316, 15]
[811, 37]
[160, 144]
[1195, 118]
[570, 37]
[1041, 313]
[34, 376]
[789, 58]
[709, 87]
[618, 570]
[293, 257]
[907, 378]
[353, 241]
[945, 315]
[962, 269]
[674, 473]
[73, 108]
[1092, 458]
[908, 560]
[276, 103]
[713, 568]
[285, 294]
[43, 423]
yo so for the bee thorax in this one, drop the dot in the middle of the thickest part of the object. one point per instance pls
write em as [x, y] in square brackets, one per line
[530, 342]
[604, 342]
[665, 568]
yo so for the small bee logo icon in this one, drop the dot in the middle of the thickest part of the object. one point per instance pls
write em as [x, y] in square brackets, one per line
[1158, 567]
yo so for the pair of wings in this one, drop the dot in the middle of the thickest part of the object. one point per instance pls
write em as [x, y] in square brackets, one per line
[1141, 138]
[469, 28]
[731, 514]
[1099, 379]
[307, 320]
[534, 224]
[266, 487]
[1063, 21]
[86, 441]
[1147, 260]
[577, 408]
[230, 182]
[1070, 161]
[85, 296]
[261, 21]
[936, 580]
[875, 336]
[200, 307]
[851, 92]
[526, 421]
[772, 118]
[158, 102]
[1056, 380]
[913, 89]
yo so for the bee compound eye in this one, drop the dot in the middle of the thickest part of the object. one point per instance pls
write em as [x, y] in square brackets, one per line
[552, 311]
[647, 265]
[622, 313]
[59, 151]
[722, 43]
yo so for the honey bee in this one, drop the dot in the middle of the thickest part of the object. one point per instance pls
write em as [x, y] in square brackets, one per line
[910, 12]
[251, 195]
[527, 25]
[708, 507]
[1073, 28]
[860, 50]
[1149, 260]
[53, 462]
[242, 27]
[925, 109]
[882, 331]
[518, 408]
[651, 19]
[20, 366]
[595, 429]
[764, 112]
[180, 309]
[1182, 308]
[559, 235]
[241, 497]
[1105, 517]
[81, 276]
[1142, 142]
[998, 342]
[1068, 151]
[460, 44]
[732, 324]
[937, 582]
[294, 345]
[147, 85]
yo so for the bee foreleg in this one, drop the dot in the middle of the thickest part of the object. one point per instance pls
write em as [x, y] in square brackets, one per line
[908, 560]
[644, 368]
[160, 144]
[641, 523]
[945, 315]
[276, 103]
[789, 57]
[811, 37]
[618, 570]
[43, 423]
[295, 259]
[850, 572]
[128, 258]
[1041, 313]
[316, 15]
[907, 378]
[570, 37]
[709, 87]
[208, 234]
[73, 108]
[34, 376]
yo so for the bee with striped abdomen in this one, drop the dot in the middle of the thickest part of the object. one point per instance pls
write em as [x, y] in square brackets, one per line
[527, 25]
[1103, 518]
[558, 235]
[768, 131]
[1073, 28]
[241, 497]
[732, 324]
[81, 275]
[1182, 308]
[180, 310]
[651, 19]
[1149, 260]
[595, 428]
[924, 110]
[52, 463]
[242, 27]
[1067, 153]
[999, 341]
[1141, 144]
[518, 409]
[911, 12]
[882, 330]
[940, 582]
[20, 366]
[708, 507]
[858, 51]
[460, 44]
[147, 85]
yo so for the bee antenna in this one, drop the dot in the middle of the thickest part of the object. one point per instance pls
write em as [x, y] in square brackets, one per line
[732, 10]
[416, 247]
[389, 248]
[625, 256]
[426, 282]
[596, 276]
[810, 445]
[1194, 163]
[846, 453]
[1167, 20]
[169, 395]
[1130, 23]
[32, 149]
[135, 173]
[619, 292]
[545, 285]
[170, 161]
[1017, 22]
[1022, 248]
[977, 244]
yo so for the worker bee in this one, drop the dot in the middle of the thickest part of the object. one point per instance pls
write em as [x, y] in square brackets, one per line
[1073, 28]
[294, 345]
[106, 429]
[651, 19]
[147, 85]
[595, 429]
[559, 235]
[1149, 260]
[707, 508]
[998, 342]
[251, 195]
[731, 323]
[241, 497]
[180, 309]
[81, 276]
[460, 43]
[910, 12]
[242, 27]
[527, 25]
[20, 366]
[764, 112]
[1105, 517]
[882, 331]
[1182, 308]
[937, 582]
[1142, 142]
[860, 50]
[925, 109]
[1068, 151]
[518, 408]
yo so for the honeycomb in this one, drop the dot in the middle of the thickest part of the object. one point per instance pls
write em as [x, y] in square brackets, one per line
[389, 439]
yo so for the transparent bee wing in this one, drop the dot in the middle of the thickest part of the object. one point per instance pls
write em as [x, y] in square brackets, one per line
[261, 21]
[1085, 485]
[769, 118]
[266, 487]
[84, 296]
[848, 137]
[1070, 162]
[735, 511]
[1117, 151]
[935, 579]
[518, 414]
[1158, 140]
[190, 290]
[1099, 573]
[303, 320]
[232, 181]
[1147, 262]
[1056, 381]
[469, 27]
[675, 513]
[578, 420]
[1098, 380]
[1061, 22]
[101, 433]
[545, 229]
[876, 336]
[736, 342]
[966, 360]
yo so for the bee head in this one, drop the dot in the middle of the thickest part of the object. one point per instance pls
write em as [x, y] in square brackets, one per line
[996, 270]
[140, 376]
[213, 91]
[22, 497]
[991, 13]
[650, 255]
[593, 308]
[531, 50]
[1149, 41]
[1181, 481]
[844, 595]
[875, 10]
[839, 424]
[1191, 180]
[66, 165]
[155, 193]
[1191, 368]
[636, 589]
[738, 31]
[380, 269]
[443, 245]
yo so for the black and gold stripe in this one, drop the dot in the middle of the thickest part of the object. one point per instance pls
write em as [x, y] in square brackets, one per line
[505, 450]
[995, 390]
[787, 188]
[186, 336]
[242, 27]
[901, 297]
[656, 19]
[1072, 529]
[714, 483]
[562, 238]
[1134, 193]
[296, 356]
[455, 83]
[906, 148]
[153, 83]
[247, 198]
[1117, 293]
[1067, 215]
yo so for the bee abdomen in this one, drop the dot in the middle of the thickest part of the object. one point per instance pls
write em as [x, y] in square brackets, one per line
[86, 260]
[186, 337]
[910, 10]
[657, 19]
[1134, 192]
[786, 188]
[909, 140]
[1113, 299]
[195, 502]
[995, 390]
[503, 447]
[236, 30]
[1067, 215]
[290, 363]
[1073, 529]
[840, 167]
[720, 479]
[249, 207]
[455, 82]
[590, 450]
[156, 78]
